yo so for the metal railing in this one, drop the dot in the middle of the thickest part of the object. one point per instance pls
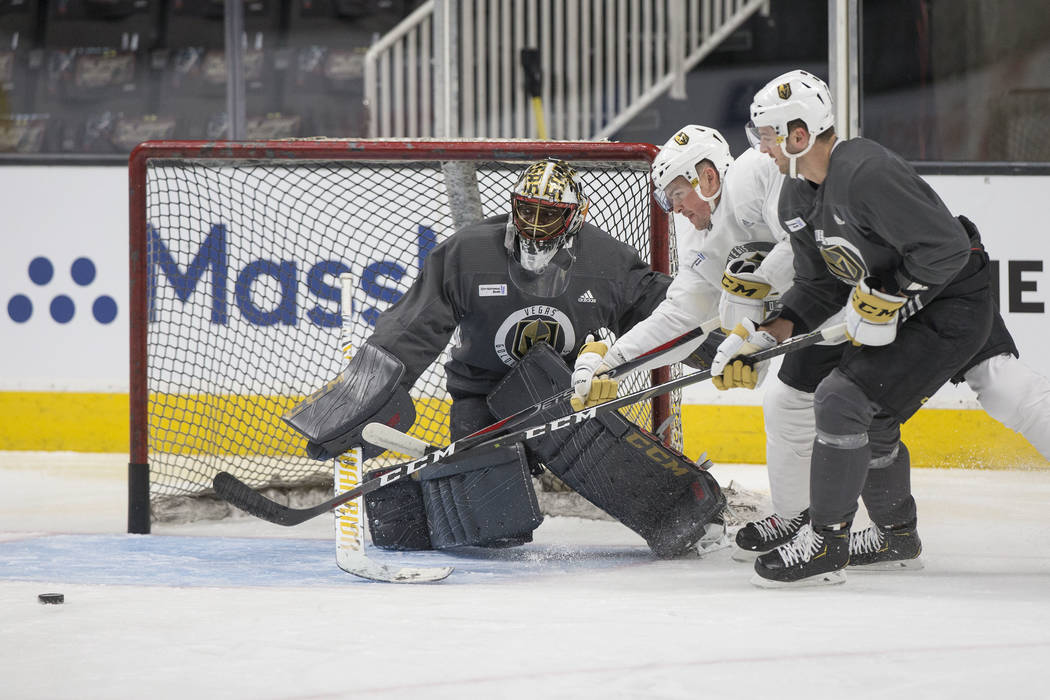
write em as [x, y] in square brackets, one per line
[452, 68]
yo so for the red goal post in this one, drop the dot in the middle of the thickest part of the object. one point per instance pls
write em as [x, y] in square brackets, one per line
[235, 253]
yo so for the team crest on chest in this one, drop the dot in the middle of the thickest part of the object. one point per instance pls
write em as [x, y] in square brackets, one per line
[842, 258]
[534, 324]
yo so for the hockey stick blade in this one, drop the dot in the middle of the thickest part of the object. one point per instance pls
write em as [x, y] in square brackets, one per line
[360, 565]
[500, 434]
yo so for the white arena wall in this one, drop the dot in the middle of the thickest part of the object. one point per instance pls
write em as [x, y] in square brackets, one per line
[64, 286]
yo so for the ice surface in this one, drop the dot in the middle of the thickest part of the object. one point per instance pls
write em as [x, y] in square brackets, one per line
[244, 609]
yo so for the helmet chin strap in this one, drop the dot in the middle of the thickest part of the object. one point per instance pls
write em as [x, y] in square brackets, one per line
[712, 201]
[793, 157]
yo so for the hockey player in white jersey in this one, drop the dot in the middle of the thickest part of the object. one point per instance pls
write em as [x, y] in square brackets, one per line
[732, 207]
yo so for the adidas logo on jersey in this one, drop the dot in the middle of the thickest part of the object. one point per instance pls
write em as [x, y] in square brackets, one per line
[588, 298]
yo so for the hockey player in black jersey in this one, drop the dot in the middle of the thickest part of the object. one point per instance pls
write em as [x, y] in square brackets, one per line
[868, 234]
[520, 293]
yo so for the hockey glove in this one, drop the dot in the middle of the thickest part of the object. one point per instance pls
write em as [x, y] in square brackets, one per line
[731, 368]
[744, 293]
[588, 385]
[871, 316]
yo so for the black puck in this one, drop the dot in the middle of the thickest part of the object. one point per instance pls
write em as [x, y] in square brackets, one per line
[51, 598]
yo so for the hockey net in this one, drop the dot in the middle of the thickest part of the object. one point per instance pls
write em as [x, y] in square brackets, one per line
[236, 254]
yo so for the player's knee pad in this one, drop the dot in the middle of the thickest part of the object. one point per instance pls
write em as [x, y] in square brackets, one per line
[366, 391]
[483, 500]
[488, 500]
[788, 416]
[842, 412]
[625, 471]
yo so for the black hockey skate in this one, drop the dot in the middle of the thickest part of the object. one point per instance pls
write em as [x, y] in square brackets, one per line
[879, 548]
[761, 536]
[811, 558]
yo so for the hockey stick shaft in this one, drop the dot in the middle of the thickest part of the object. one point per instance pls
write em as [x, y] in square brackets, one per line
[392, 439]
[500, 434]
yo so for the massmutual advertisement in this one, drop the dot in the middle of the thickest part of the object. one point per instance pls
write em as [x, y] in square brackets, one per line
[64, 320]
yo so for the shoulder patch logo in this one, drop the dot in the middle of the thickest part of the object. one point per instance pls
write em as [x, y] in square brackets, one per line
[784, 91]
[588, 298]
[492, 290]
[681, 138]
[796, 224]
[838, 220]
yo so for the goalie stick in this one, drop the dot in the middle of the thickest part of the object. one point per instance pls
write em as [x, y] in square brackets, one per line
[499, 434]
[351, 523]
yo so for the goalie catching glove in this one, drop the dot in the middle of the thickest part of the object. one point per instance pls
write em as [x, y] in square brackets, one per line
[871, 316]
[744, 291]
[731, 368]
[589, 385]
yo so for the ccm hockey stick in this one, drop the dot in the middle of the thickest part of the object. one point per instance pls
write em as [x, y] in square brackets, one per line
[351, 523]
[382, 435]
[388, 438]
[500, 434]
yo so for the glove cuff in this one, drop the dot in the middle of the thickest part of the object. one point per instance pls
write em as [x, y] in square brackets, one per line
[595, 346]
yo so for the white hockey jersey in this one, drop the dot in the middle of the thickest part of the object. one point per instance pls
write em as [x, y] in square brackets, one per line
[746, 211]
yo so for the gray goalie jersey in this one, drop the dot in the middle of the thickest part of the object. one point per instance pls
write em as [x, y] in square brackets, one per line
[465, 285]
[872, 216]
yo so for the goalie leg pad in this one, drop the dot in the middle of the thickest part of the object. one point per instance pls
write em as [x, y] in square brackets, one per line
[625, 471]
[486, 500]
[366, 391]
[628, 473]
[396, 515]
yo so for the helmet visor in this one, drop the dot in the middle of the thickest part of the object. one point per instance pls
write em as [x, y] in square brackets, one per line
[762, 136]
[538, 220]
[675, 193]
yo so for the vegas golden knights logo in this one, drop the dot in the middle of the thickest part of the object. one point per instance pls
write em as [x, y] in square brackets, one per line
[681, 138]
[784, 90]
[535, 330]
[844, 263]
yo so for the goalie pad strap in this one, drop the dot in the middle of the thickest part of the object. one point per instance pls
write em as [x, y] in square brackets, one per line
[625, 471]
[367, 390]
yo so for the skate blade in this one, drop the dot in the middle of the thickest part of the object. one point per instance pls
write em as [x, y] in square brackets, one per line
[707, 546]
[831, 578]
[897, 565]
[745, 555]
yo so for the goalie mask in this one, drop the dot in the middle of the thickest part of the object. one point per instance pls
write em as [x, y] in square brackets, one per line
[794, 95]
[548, 208]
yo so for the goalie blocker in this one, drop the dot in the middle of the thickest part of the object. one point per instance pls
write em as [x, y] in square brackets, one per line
[489, 500]
[366, 391]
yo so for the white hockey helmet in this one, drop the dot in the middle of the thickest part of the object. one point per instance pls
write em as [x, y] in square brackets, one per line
[548, 208]
[679, 157]
[793, 95]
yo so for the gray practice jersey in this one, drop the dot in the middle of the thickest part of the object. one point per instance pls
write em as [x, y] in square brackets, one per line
[465, 284]
[872, 216]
